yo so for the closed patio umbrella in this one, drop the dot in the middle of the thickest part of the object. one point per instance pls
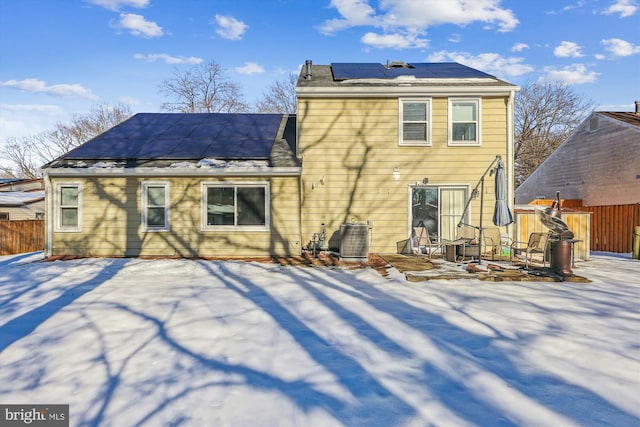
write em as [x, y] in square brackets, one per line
[501, 214]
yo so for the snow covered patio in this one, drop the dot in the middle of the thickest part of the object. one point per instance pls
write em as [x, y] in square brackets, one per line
[131, 342]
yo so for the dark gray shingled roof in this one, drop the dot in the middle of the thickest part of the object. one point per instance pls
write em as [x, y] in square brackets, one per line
[167, 137]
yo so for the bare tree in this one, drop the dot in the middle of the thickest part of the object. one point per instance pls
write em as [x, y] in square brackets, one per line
[203, 88]
[26, 154]
[280, 97]
[22, 156]
[545, 115]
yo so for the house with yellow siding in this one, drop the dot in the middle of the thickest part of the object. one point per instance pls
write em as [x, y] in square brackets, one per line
[398, 145]
[183, 185]
[376, 148]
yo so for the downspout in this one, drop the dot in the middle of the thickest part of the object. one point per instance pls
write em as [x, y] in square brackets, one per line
[510, 158]
[48, 216]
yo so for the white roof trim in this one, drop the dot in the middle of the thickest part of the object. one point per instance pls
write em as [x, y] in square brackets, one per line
[415, 80]
[407, 89]
[157, 172]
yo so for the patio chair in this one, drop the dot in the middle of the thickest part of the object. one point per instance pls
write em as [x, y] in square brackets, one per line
[422, 243]
[493, 241]
[537, 244]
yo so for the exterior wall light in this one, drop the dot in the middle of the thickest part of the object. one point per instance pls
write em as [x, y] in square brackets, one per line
[396, 173]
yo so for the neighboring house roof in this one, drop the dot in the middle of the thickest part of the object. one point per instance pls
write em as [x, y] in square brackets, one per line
[189, 140]
[597, 164]
[20, 198]
[398, 78]
[20, 184]
[627, 117]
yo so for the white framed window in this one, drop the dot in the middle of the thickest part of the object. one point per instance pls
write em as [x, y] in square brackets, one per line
[464, 121]
[155, 206]
[235, 206]
[68, 207]
[414, 121]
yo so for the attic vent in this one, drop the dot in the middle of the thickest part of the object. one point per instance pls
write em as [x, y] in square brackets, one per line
[594, 124]
[354, 242]
[398, 64]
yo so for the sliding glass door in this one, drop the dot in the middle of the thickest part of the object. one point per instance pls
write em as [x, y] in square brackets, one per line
[438, 208]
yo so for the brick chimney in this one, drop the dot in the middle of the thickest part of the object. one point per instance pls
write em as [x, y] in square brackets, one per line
[638, 108]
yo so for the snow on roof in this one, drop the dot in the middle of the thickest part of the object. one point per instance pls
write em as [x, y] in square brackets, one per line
[19, 198]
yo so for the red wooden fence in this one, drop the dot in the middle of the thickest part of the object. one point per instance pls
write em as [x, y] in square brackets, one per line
[21, 236]
[612, 226]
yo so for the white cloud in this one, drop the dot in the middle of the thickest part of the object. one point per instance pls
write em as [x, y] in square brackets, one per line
[21, 120]
[625, 8]
[39, 86]
[519, 47]
[616, 107]
[417, 15]
[138, 26]
[568, 50]
[455, 38]
[572, 74]
[116, 4]
[394, 41]
[129, 100]
[619, 47]
[354, 13]
[567, 8]
[229, 27]
[250, 68]
[153, 57]
[491, 63]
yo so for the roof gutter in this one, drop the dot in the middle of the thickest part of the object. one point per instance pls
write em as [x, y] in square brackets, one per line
[48, 216]
[404, 90]
[168, 172]
[510, 154]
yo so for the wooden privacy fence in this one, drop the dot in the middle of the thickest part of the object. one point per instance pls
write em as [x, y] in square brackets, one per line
[612, 226]
[21, 236]
[579, 222]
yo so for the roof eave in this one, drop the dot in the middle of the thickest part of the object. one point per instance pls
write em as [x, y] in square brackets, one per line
[173, 172]
[404, 90]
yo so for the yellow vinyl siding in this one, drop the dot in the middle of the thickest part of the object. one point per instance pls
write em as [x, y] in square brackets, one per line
[111, 221]
[353, 144]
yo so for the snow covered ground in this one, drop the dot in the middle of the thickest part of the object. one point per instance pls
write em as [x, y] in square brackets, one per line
[130, 342]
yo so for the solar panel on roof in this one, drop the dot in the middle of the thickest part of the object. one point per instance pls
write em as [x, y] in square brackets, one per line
[118, 150]
[252, 149]
[347, 71]
[156, 149]
[184, 136]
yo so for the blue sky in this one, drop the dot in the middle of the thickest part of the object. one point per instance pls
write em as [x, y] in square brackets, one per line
[60, 58]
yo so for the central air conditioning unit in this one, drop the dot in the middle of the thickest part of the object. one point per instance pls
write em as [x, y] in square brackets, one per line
[354, 242]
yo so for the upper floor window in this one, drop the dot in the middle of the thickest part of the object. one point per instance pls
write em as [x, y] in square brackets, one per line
[155, 206]
[68, 201]
[464, 121]
[232, 206]
[415, 122]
